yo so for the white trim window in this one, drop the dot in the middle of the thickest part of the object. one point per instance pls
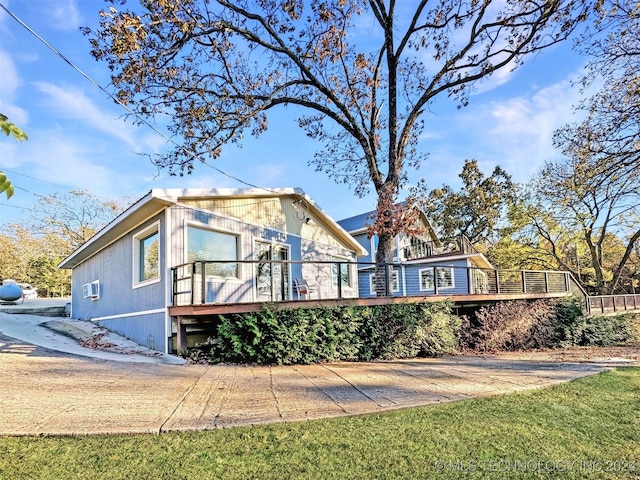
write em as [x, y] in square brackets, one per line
[146, 256]
[446, 278]
[208, 245]
[395, 282]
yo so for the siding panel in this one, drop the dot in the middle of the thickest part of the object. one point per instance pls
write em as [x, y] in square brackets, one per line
[113, 268]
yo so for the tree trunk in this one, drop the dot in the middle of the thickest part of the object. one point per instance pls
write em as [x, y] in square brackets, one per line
[384, 271]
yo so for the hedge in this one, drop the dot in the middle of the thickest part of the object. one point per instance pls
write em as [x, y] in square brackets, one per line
[359, 333]
[319, 334]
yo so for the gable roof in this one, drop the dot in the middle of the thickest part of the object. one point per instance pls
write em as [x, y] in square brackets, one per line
[359, 223]
[159, 199]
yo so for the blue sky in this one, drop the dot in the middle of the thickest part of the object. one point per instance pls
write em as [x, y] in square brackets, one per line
[79, 139]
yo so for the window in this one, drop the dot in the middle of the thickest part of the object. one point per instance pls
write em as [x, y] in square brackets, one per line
[146, 262]
[149, 257]
[444, 274]
[395, 282]
[342, 270]
[213, 246]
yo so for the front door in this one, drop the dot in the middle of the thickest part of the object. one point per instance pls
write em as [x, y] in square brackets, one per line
[272, 274]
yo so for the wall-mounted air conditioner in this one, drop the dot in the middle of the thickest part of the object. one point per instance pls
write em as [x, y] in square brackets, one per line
[91, 290]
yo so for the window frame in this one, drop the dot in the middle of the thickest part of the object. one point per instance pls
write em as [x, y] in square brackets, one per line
[208, 228]
[395, 282]
[347, 271]
[138, 262]
[430, 270]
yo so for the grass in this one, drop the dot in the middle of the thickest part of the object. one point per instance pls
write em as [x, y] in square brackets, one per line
[588, 428]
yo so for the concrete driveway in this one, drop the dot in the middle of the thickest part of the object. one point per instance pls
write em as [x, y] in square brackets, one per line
[45, 391]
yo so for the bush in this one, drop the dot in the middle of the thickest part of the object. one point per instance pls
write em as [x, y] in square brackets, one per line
[609, 330]
[309, 335]
[513, 325]
[521, 325]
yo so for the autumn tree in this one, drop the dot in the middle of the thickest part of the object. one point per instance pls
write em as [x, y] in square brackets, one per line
[610, 132]
[588, 219]
[33, 258]
[361, 74]
[31, 250]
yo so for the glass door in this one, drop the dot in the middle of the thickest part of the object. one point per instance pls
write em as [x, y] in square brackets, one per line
[272, 275]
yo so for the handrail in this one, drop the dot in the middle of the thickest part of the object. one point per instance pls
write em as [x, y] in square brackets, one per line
[187, 279]
[613, 303]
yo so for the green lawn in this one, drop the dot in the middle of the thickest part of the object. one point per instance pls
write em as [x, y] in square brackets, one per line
[589, 428]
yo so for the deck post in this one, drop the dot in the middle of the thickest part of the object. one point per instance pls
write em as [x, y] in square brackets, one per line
[181, 337]
[174, 287]
[497, 282]
[524, 281]
[435, 281]
[546, 282]
[203, 283]
[602, 304]
[469, 281]
[193, 282]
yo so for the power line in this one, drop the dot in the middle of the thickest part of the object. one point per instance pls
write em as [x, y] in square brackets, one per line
[35, 178]
[189, 153]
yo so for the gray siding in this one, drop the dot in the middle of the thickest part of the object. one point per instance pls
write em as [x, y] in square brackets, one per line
[113, 267]
[409, 279]
[243, 289]
[148, 330]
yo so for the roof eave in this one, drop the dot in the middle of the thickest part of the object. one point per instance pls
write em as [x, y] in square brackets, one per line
[143, 209]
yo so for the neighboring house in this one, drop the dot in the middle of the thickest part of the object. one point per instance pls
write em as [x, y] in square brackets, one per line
[123, 277]
[418, 260]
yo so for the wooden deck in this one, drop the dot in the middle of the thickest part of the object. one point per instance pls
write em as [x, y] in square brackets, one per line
[194, 311]
[200, 315]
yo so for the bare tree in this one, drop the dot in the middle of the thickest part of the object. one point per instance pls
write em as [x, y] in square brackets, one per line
[215, 68]
[610, 133]
[74, 217]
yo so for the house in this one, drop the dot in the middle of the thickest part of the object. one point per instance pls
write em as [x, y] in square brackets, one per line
[226, 245]
[457, 267]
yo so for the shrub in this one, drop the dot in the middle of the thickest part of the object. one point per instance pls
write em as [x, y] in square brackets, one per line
[609, 330]
[521, 325]
[509, 326]
[411, 330]
[309, 335]
[568, 321]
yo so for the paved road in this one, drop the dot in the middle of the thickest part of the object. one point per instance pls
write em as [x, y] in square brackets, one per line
[43, 391]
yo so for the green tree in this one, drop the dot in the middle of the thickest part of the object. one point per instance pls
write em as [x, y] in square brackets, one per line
[9, 129]
[477, 209]
[214, 69]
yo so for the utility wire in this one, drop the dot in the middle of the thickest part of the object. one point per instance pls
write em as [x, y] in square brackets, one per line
[116, 100]
[36, 178]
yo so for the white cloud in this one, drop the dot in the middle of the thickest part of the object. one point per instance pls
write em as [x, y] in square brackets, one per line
[517, 133]
[495, 80]
[71, 102]
[8, 92]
